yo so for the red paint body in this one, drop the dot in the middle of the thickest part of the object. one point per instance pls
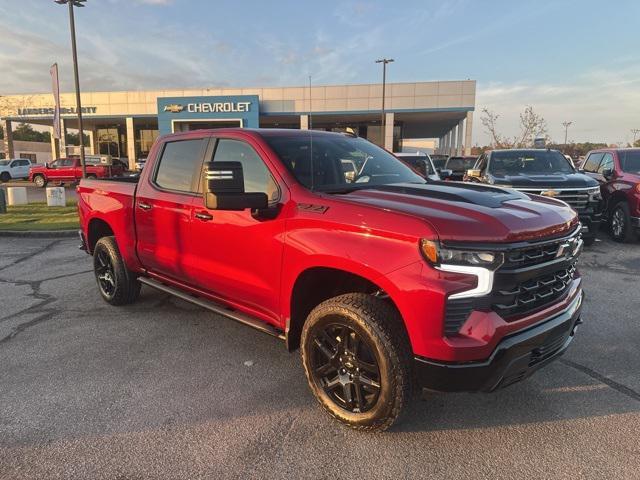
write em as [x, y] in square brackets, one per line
[253, 264]
[620, 186]
[73, 172]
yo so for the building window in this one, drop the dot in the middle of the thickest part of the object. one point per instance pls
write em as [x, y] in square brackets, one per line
[144, 140]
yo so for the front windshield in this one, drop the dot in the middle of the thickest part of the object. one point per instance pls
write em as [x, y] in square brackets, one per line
[439, 161]
[4, 163]
[630, 161]
[532, 162]
[335, 162]
[460, 164]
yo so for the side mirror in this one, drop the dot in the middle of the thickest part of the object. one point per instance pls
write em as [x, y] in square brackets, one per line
[224, 188]
[607, 172]
[445, 173]
[473, 173]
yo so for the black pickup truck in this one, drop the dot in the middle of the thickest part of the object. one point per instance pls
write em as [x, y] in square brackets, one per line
[543, 172]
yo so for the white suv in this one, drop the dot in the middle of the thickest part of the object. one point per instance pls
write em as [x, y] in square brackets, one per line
[15, 168]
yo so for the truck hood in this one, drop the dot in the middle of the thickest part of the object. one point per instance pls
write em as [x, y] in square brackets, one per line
[467, 212]
[558, 180]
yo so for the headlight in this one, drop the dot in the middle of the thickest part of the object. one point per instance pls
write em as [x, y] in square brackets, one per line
[594, 194]
[480, 264]
[438, 255]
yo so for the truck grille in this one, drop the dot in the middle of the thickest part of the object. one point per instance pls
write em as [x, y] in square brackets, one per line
[578, 199]
[532, 294]
[531, 278]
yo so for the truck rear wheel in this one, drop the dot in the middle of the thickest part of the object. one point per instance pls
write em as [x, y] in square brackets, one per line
[40, 181]
[117, 285]
[357, 360]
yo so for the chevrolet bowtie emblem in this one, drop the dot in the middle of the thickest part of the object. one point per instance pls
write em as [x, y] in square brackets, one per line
[173, 108]
[549, 193]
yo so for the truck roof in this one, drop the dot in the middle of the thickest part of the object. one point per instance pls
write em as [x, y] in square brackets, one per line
[262, 132]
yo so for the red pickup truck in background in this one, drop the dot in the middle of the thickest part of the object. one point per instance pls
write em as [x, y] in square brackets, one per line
[386, 281]
[618, 172]
[70, 170]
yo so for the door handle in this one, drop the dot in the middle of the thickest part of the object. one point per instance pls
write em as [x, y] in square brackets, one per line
[144, 206]
[205, 217]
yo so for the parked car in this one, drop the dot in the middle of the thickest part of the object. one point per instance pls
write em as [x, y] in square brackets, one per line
[459, 166]
[70, 170]
[617, 170]
[439, 160]
[543, 172]
[16, 168]
[385, 281]
[421, 163]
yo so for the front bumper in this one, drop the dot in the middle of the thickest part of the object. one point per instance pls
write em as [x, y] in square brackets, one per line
[515, 358]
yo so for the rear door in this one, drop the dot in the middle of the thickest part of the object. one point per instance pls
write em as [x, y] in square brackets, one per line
[163, 207]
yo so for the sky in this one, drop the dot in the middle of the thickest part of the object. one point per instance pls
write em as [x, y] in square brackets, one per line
[572, 60]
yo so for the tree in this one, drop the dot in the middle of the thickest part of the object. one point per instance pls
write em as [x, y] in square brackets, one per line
[532, 126]
[74, 139]
[25, 132]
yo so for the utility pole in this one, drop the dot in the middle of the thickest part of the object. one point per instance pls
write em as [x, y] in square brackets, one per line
[566, 126]
[383, 125]
[72, 26]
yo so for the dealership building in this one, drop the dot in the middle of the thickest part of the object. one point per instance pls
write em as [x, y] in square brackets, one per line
[125, 124]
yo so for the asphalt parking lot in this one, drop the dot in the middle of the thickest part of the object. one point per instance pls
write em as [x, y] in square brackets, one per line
[162, 389]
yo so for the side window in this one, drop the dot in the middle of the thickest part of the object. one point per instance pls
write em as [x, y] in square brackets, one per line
[606, 164]
[67, 162]
[178, 164]
[257, 177]
[592, 162]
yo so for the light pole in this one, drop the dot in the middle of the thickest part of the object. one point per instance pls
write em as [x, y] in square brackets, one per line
[566, 126]
[72, 26]
[383, 125]
[635, 132]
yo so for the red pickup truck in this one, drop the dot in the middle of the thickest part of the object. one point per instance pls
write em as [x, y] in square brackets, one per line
[386, 281]
[618, 172]
[69, 170]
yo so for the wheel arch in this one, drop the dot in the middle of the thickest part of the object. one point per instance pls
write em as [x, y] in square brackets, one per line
[96, 229]
[316, 284]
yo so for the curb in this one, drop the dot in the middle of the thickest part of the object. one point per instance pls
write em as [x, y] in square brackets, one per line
[40, 233]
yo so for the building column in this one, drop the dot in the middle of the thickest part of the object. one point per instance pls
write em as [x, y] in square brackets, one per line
[8, 139]
[131, 144]
[447, 143]
[92, 140]
[55, 145]
[304, 122]
[388, 131]
[459, 140]
[468, 134]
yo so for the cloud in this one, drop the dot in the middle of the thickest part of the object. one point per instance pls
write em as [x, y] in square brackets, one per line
[602, 103]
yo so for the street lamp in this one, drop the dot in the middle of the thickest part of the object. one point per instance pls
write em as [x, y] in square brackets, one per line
[383, 125]
[72, 26]
[566, 126]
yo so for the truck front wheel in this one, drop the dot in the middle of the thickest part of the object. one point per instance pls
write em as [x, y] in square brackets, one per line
[357, 360]
[5, 177]
[117, 285]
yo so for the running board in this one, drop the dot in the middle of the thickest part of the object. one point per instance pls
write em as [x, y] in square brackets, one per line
[214, 307]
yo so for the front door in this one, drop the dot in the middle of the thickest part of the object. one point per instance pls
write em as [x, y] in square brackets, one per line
[163, 208]
[240, 255]
[61, 170]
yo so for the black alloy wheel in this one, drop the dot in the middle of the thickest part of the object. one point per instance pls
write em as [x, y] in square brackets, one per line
[105, 273]
[345, 367]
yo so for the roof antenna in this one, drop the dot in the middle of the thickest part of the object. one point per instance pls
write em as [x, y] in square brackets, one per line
[310, 127]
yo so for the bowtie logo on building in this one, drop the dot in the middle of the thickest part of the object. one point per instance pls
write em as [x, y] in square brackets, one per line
[173, 108]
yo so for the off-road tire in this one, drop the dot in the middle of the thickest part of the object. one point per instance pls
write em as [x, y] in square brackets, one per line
[39, 181]
[626, 233]
[381, 327]
[126, 287]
